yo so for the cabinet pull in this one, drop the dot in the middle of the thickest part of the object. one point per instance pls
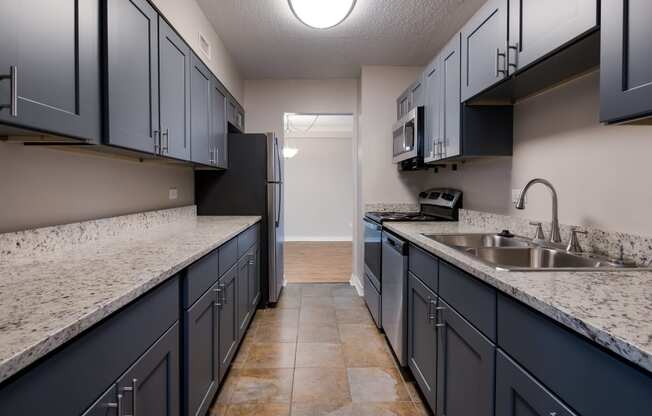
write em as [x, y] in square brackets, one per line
[157, 141]
[217, 155]
[498, 70]
[166, 134]
[132, 389]
[509, 61]
[218, 291]
[117, 405]
[432, 316]
[13, 99]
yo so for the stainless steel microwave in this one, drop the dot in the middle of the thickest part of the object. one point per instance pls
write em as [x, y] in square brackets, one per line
[407, 138]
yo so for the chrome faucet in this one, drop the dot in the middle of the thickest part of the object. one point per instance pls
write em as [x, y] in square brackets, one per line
[555, 234]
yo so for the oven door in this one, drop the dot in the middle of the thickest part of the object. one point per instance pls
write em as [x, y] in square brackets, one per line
[372, 250]
[405, 137]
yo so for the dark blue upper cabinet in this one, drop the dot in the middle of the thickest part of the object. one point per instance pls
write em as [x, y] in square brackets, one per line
[537, 28]
[174, 93]
[432, 127]
[201, 146]
[132, 77]
[219, 142]
[450, 126]
[236, 116]
[626, 61]
[49, 66]
[484, 49]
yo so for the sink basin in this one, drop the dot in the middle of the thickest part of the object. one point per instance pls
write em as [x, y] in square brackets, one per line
[479, 240]
[522, 254]
[535, 258]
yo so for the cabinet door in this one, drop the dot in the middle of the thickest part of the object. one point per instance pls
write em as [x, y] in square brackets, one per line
[432, 128]
[174, 70]
[417, 94]
[243, 295]
[450, 101]
[201, 145]
[422, 338]
[151, 386]
[518, 394]
[107, 405]
[254, 279]
[49, 56]
[484, 48]
[228, 319]
[201, 353]
[132, 109]
[219, 138]
[626, 61]
[540, 27]
[465, 367]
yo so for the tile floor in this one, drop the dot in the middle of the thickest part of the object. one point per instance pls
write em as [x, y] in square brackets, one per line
[317, 353]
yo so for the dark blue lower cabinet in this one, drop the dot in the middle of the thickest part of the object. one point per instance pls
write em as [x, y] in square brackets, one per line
[465, 367]
[150, 387]
[422, 338]
[518, 394]
[201, 353]
[244, 309]
[254, 279]
[228, 319]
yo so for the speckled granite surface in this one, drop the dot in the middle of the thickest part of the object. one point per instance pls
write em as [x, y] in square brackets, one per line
[612, 309]
[49, 298]
[391, 207]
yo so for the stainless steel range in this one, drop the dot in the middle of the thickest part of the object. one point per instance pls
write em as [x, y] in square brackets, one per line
[385, 257]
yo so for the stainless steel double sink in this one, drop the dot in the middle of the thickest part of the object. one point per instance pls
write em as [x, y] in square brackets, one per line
[514, 253]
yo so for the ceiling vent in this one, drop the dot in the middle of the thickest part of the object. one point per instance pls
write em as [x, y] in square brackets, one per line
[205, 46]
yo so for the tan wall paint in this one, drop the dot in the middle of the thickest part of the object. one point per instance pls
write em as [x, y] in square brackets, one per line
[189, 20]
[602, 173]
[42, 187]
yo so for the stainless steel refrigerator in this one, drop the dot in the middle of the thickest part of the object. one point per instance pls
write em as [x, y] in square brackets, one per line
[252, 185]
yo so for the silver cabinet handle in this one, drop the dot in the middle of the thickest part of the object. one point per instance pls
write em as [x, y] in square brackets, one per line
[134, 400]
[217, 155]
[218, 291]
[117, 405]
[498, 56]
[13, 99]
[509, 61]
[166, 134]
[432, 316]
[157, 141]
[210, 154]
[221, 287]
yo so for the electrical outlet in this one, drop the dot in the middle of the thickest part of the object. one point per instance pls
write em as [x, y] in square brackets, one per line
[515, 194]
[173, 194]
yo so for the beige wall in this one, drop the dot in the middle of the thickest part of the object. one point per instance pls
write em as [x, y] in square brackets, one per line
[602, 173]
[42, 187]
[188, 18]
[380, 180]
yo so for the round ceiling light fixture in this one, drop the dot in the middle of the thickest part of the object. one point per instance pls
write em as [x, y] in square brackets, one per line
[321, 14]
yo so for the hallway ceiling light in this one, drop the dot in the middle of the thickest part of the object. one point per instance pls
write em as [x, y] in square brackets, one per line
[290, 152]
[321, 14]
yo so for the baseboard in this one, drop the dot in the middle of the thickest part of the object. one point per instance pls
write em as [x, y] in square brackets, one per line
[317, 239]
[357, 284]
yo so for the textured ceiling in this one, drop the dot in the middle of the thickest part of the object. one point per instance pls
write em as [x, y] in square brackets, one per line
[267, 41]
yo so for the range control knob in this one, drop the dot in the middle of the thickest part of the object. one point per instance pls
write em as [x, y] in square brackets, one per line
[423, 195]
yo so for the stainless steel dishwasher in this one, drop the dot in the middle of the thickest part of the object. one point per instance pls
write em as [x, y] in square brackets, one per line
[394, 294]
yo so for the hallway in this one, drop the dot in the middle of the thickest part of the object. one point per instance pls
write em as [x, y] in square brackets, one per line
[317, 353]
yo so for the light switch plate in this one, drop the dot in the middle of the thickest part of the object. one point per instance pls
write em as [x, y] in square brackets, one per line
[173, 194]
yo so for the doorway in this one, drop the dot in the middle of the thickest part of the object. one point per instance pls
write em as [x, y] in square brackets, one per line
[319, 197]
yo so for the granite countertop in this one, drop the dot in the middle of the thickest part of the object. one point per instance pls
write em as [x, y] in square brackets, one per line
[48, 299]
[613, 309]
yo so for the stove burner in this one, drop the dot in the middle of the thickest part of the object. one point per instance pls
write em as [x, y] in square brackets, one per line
[400, 216]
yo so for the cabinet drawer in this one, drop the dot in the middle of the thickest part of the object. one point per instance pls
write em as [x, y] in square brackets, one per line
[89, 364]
[592, 381]
[228, 255]
[424, 266]
[247, 239]
[200, 276]
[473, 299]
[517, 392]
